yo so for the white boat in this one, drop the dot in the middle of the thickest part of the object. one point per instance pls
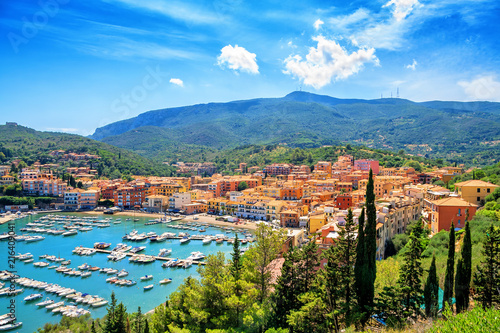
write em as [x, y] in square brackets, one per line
[100, 303]
[70, 233]
[207, 240]
[34, 238]
[146, 277]
[148, 287]
[164, 281]
[33, 297]
[9, 327]
[47, 301]
[122, 273]
[86, 274]
[165, 252]
[83, 267]
[54, 305]
[197, 255]
[185, 240]
[187, 264]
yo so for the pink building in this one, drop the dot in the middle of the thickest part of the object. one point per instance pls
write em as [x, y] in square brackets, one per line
[366, 165]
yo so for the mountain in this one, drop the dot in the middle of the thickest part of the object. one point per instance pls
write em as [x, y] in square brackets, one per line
[31, 146]
[456, 131]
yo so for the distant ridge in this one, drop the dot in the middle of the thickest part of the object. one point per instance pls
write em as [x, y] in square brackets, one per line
[302, 119]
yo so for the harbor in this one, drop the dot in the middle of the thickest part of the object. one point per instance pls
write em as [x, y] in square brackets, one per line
[54, 261]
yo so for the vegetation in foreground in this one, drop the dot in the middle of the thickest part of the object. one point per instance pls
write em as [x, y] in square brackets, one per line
[240, 296]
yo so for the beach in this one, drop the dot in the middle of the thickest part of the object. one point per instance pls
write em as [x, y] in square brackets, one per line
[6, 219]
[202, 218]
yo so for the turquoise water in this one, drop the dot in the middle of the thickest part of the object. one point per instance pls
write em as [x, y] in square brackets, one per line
[132, 297]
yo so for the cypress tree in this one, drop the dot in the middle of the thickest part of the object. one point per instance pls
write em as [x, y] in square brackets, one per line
[236, 265]
[464, 270]
[431, 291]
[370, 271]
[450, 267]
[366, 269]
[360, 257]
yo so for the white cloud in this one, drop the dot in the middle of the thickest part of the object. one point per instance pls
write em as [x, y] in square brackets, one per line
[328, 62]
[177, 82]
[484, 88]
[413, 66]
[402, 8]
[342, 22]
[318, 24]
[384, 35]
[238, 58]
[177, 10]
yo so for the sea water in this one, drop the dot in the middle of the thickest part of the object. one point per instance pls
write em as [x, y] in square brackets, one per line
[132, 297]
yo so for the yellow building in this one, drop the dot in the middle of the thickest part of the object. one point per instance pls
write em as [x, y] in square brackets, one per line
[274, 209]
[217, 205]
[474, 191]
[200, 195]
[316, 222]
[182, 181]
[169, 189]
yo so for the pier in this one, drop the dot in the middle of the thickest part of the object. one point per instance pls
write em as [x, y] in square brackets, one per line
[133, 254]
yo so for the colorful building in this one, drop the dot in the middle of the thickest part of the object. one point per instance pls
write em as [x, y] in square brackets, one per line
[474, 191]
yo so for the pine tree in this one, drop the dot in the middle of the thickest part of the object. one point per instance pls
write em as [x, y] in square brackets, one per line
[431, 291]
[463, 275]
[109, 324]
[92, 328]
[410, 277]
[309, 263]
[450, 265]
[346, 253]
[146, 326]
[286, 293]
[327, 306]
[138, 320]
[486, 279]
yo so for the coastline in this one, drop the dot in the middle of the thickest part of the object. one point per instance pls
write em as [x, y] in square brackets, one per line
[203, 218]
[5, 219]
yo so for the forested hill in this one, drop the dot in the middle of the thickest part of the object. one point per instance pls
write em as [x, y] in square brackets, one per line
[30, 146]
[459, 132]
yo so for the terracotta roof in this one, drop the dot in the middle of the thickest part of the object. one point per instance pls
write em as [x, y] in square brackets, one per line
[453, 201]
[475, 183]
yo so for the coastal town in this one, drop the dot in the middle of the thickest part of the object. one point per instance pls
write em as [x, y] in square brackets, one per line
[308, 201]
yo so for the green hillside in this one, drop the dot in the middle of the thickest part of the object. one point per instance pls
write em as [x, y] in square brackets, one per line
[458, 132]
[18, 142]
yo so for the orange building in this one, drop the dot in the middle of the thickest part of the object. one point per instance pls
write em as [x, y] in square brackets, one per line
[445, 211]
[129, 197]
[323, 166]
[291, 193]
[289, 219]
[343, 201]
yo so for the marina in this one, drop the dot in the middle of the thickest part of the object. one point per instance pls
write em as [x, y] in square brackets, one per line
[74, 264]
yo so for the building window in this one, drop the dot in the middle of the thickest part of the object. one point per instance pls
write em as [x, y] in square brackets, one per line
[478, 190]
[478, 199]
[458, 222]
[487, 190]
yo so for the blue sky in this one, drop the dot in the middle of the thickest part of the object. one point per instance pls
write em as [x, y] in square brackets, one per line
[73, 66]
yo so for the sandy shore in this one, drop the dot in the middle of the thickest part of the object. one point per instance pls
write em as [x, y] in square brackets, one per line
[6, 219]
[191, 218]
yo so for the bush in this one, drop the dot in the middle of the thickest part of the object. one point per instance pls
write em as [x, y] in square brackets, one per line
[476, 320]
